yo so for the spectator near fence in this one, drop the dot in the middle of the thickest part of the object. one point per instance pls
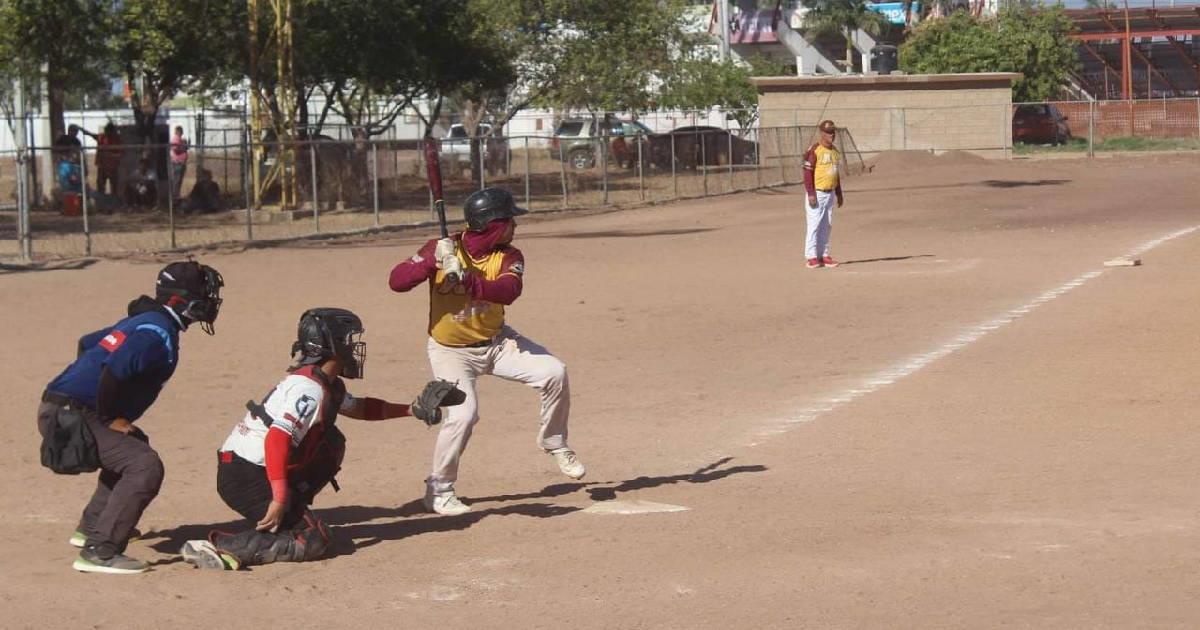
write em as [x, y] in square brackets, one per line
[108, 160]
[205, 195]
[179, 159]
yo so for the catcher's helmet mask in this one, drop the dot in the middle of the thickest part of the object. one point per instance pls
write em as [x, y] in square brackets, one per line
[192, 291]
[487, 205]
[326, 333]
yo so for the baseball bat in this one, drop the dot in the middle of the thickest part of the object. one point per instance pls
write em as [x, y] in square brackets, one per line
[433, 168]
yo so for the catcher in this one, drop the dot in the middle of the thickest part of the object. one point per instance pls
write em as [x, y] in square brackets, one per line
[287, 448]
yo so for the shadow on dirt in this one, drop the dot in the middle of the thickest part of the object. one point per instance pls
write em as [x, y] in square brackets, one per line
[621, 233]
[354, 530]
[1020, 183]
[67, 265]
[884, 259]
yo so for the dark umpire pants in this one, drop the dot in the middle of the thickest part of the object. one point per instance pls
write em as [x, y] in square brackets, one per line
[131, 474]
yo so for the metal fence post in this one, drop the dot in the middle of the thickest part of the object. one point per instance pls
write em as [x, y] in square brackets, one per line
[171, 200]
[375, 179]
[729, 136]
[779, 145]
[316, 204]
[1092, 128]
[245, 175]
[24, 231]
[703, 164]
[562, 169]
[87, 230]
[482, 170]
[641, 170]
[674, 176]
[604, 166]
[526, 138]
[1198, 117]
[757, 159]
[904, 128]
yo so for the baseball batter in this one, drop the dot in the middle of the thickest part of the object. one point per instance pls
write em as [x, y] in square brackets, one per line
[468, 336]
[821, 185]
[287, 448]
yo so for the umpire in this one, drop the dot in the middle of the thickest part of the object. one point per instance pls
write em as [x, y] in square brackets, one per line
[87, 412]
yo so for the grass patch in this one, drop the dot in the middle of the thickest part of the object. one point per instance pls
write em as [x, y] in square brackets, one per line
[1076, 145]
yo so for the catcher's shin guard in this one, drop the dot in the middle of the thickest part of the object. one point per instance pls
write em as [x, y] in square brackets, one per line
[253, 547]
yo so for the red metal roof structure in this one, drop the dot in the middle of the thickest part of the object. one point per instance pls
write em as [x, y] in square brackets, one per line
[1139, 52]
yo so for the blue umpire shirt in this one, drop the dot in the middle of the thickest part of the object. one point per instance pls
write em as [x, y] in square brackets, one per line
[141, 351]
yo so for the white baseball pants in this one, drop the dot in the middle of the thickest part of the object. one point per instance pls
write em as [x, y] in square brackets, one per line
[511, 357]
[820, 224]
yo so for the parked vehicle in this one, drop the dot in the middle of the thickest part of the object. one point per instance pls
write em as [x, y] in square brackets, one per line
[577, 142]
[701, 145]
[456, 148]
[1040, 124]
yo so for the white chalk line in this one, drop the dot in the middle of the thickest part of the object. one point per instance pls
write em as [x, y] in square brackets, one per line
[913, 364]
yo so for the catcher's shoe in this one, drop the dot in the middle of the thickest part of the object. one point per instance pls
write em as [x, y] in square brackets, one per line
[79, 539]
[89, 561]
[568, 463]
[446, 503]
[203, 555]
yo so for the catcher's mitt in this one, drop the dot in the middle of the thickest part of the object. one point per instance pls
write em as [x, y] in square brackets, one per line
[438, 393]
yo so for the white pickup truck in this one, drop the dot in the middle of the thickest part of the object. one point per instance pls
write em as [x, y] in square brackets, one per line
[456, 148]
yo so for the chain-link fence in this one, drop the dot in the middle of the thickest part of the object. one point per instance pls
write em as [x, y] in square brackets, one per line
[1090, 126]
[116, 199]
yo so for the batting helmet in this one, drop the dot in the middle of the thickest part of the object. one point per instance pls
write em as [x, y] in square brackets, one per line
[325, 333]
[192, 290]
[487, 205]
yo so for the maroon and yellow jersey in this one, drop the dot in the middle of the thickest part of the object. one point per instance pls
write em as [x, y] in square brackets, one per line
[472, 310]
[456, 318]
[821, 165]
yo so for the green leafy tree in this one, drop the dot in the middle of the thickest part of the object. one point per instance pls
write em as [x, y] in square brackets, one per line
[62, 41]
[700, 82]
[843, 17]
[166, 46]
[1033, 42]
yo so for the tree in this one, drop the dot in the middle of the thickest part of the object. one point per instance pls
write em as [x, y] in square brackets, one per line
[843, 17]
[65, 39]
[701, 82]
[1034, 42]
[165, 46]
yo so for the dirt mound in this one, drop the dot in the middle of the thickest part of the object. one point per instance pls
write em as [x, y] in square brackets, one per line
[887, 162]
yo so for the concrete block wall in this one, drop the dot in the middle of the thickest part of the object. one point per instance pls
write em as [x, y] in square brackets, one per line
[898, 112]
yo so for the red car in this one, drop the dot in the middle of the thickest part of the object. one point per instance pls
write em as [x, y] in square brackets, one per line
[1040, 124]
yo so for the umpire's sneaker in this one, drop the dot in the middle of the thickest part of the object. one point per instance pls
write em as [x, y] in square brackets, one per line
[203, 555]
[79, 539]
[89, 561]
[446, 503]
[568, 463]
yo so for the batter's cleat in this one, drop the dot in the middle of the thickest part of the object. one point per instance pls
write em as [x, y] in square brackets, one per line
[813, 263]
[79, 539]
[828, 261]
[445, 503]
[203, 555]
[568, 463]
[89, 561]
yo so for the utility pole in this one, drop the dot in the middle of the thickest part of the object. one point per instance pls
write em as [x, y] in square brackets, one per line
[723, 18]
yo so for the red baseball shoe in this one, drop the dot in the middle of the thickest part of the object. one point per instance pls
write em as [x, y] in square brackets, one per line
[813, 263]
[829, 262]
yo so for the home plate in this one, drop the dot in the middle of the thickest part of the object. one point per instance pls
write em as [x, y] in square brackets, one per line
[633, 507]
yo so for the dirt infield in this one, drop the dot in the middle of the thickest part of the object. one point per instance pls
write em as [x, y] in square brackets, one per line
[970, 423]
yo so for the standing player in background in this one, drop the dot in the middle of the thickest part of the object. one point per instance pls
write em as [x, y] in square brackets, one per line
[287, 448]
[117, 374]
[821, 184]
[468, 337]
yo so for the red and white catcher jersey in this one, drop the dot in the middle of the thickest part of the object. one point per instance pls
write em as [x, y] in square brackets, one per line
[295, 405]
